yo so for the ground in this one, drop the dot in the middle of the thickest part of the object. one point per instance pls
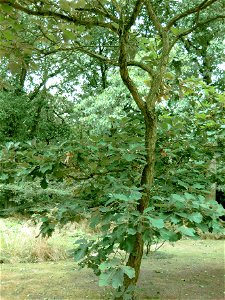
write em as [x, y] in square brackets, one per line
[192, 270]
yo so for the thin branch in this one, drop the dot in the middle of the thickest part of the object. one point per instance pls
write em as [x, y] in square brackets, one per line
[203, 5]
[37, 89]
[154, 17]
[60, 117]
[77, 20]
[125, 74]
[186, 32]
[99, 12]
[92, 175]
[134, 15]
[104, 12]
[100, 57]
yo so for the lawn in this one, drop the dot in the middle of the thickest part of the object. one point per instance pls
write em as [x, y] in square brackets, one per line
[191, 270]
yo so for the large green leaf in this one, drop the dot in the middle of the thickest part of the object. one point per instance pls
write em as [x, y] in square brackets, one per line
[81, 251]
[187, 231]
[195, 217]
[105, 278]
[130, 272]
[117, 279]
[156, 222]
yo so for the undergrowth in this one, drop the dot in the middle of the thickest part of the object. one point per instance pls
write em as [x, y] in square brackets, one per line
[20, 241]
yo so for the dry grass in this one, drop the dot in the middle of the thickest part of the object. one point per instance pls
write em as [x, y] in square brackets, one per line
[19, 242]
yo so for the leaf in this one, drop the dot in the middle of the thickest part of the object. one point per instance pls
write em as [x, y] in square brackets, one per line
[14, 67]
[131, 231]
[169, 76]
[129, 157]
[184, 184]
[177, 31]
[79, 4]
[117, 279]
[4, 177]
[148, 82]
[177, 197]
[157, 223]
[68, 35]
[198, 186]
[105, 278]
[195, 217]
[128, 243]
[189, 196]
[95, 220]
[130, 272]
[9, 35]
[135, 195]
[170, 235]
[187, 231]
[64, 5]
[45, 168]
[7, 8]
[174, 220]
[149, 208]
[105, 266]
[80, 252]
[120, 197]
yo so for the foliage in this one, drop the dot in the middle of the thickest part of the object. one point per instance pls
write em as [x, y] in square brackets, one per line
[43, 118]
[27, 198]
[178, 208]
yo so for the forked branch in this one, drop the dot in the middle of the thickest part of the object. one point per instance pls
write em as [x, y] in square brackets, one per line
[196, 9]
[76, 19]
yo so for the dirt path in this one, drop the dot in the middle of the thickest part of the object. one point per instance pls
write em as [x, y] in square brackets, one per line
[192, 270]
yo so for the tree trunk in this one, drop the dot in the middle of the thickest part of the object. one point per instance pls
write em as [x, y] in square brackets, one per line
[135, 257]
[147, 107]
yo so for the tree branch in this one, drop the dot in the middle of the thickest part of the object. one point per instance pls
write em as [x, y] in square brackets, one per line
[134, 15]
[125, 74]
[37, 88]
[100, 57]
[154, 18]
[144, 67]
[203, 5]
[186, 32]
[92, 175]
[77, 20]
[103, 12]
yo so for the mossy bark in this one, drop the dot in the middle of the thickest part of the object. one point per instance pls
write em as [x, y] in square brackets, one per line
[147, 107]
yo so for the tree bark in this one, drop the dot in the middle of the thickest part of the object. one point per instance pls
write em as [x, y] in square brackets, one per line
[148, 110]
[135, 257]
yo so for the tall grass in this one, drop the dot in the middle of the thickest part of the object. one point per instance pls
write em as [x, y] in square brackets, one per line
[19, 242]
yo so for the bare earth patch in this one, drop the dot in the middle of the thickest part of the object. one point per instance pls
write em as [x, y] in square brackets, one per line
[192, 270]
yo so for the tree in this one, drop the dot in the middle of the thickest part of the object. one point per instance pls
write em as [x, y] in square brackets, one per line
[71, 26]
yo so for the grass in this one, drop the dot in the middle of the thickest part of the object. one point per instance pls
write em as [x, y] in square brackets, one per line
[191, 270]
[19, 242]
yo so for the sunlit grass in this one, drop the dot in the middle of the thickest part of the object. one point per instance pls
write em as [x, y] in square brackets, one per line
[20, 242]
